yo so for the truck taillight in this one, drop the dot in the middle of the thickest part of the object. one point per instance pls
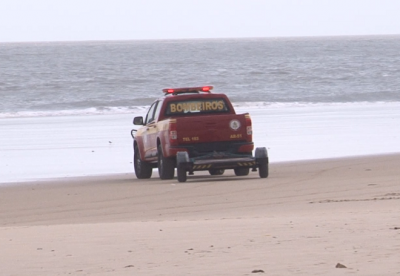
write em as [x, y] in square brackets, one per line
[249, 128]
[173, 133]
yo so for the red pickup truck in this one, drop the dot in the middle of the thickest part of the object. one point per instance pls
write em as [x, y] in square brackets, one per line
[192, 129]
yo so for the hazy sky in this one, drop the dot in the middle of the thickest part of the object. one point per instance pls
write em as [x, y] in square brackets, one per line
[71, 20]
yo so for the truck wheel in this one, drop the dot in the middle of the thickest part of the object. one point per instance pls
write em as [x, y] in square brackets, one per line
[182, 175]
[216, 171]
[166, 166]
[181, 158]
[241, 171]
[261, 155]
[263, 167]
[143, 169]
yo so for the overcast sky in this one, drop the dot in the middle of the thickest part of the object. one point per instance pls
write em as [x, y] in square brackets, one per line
[74, 20]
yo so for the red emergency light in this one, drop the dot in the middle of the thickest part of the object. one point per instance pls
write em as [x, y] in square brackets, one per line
[188, 89]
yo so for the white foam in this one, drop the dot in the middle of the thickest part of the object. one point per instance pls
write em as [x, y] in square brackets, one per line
[75, 112]
[134, 109]
[50, 146]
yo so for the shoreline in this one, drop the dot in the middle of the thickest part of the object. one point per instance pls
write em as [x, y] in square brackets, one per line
[115, 176]
[88, 145]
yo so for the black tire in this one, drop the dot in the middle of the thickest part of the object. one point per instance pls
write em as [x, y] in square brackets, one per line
[241, 171]
[166, 166]
[143, 169]
[181, 160]
[263, 170]
[216, 171]
[182, 174]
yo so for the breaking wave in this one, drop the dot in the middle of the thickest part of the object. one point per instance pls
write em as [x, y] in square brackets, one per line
[240, 106]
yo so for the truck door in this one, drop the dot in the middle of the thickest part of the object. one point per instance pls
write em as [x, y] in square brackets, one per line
[151, 131]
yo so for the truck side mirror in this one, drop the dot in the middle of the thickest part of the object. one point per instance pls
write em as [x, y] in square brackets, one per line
[138, 120]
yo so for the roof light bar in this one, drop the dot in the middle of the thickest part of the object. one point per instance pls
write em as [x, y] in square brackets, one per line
[207, 88]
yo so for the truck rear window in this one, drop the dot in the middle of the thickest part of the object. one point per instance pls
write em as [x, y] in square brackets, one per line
[197, 106]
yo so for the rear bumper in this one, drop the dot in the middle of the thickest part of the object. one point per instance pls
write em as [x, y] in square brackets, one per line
[216, 162]
[219, 161]
[225, 163]
[202, 150]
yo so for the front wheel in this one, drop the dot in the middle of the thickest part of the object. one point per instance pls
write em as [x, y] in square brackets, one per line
[143, 169]
[166, 166]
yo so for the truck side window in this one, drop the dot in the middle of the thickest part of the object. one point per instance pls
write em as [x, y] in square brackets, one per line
[158, 109]
[150, 114]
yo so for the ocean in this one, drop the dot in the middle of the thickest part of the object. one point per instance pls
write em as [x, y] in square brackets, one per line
[65, 78]
[66, 108]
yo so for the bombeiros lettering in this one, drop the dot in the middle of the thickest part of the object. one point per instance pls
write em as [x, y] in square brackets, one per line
[204, 106]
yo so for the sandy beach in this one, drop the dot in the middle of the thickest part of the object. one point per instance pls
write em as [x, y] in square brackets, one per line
[305, 219]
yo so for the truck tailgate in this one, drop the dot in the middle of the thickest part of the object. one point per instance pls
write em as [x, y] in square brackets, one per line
[208, 129]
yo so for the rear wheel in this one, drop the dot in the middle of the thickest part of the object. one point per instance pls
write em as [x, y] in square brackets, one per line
[181, 159]
[166, 166]
[241, 171]
[143, 169]
[263, 167]
[216, 171]
[261, 155]
[182, 175]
